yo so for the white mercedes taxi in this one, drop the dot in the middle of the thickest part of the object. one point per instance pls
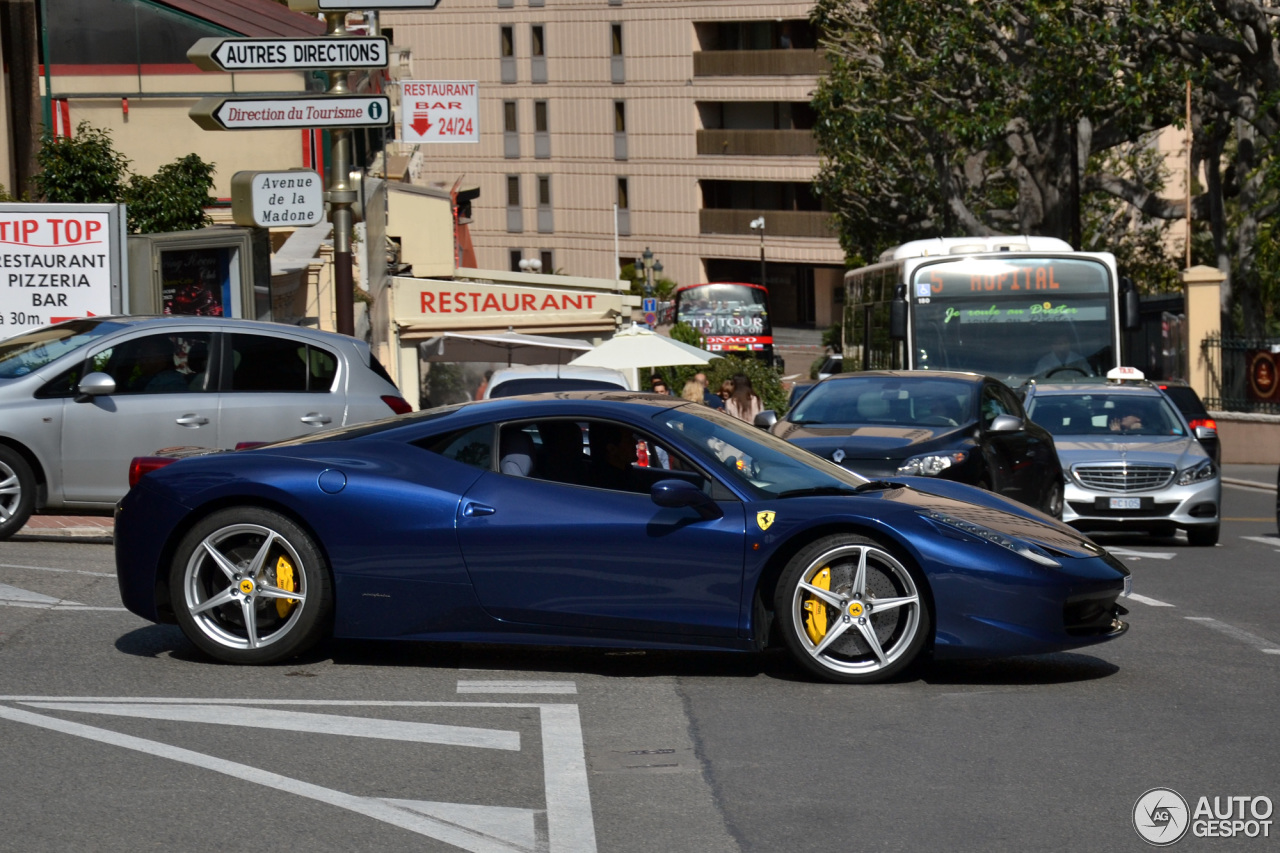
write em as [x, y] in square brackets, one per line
[1129, 458]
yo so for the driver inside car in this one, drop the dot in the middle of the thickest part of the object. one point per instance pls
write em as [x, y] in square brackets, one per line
[1062, 357]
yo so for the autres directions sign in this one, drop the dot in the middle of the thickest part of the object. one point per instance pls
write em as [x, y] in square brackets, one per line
[285, 112]
[265, 54]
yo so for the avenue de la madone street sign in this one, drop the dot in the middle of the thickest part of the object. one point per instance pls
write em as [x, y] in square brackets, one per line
[216, 53]
[272, 113]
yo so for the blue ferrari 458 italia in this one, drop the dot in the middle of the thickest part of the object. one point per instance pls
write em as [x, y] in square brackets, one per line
[599, 519]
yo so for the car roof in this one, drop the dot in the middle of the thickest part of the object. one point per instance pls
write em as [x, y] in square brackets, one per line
[224, 323]
[557, 371]
[909, 374]
[1077, 389]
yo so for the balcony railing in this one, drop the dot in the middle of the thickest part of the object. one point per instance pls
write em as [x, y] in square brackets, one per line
[778, 223]
[758, 143]
[758, 63]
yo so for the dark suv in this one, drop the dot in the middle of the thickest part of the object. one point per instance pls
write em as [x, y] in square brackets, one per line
[1187, 401]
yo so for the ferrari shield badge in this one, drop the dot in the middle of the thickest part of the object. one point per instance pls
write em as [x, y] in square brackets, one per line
[764, 518]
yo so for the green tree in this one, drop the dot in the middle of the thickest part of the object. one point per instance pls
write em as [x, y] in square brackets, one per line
[87, 169]
[662, 287]
[947, 117]
[81, 169]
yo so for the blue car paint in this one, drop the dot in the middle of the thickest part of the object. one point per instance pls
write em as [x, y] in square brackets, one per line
[396, 540]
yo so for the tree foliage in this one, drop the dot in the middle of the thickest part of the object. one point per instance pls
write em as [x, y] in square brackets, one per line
[86, 169]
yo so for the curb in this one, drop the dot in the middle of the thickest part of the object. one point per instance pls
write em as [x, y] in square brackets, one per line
[1249, 484]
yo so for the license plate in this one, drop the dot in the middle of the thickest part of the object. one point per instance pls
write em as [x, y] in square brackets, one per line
[1128, 586]
[1126, 503]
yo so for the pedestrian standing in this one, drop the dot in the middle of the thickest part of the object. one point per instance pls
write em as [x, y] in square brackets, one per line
[712, 400]
[743, 404]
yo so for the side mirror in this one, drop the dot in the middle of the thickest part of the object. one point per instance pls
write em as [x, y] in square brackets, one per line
[679, 493]
[95, 385]
[898, 317]
[766, 419]
[1130, 305]
[1203, 432]
[1005, 423]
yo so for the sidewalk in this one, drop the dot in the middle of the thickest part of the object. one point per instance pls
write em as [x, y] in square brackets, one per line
[61, 527]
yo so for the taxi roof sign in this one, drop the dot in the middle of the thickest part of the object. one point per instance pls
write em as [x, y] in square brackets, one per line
[1125, 374]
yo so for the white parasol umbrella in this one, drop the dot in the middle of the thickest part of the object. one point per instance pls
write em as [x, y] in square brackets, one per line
[638, 347]
[511, 347]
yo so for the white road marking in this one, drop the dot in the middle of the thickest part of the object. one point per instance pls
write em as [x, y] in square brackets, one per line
[1233, 632]
[321, 724]
[1270, 651]
[12, 596]
[1150, 555]
[480, 829]
[517, 687]
[65, 571]
[1150, 602]
[1273, 541]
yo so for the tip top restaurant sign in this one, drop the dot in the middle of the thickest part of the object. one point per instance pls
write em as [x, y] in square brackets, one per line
[59, 262]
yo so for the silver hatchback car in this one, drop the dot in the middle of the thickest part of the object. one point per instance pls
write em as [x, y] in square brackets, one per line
[1130, 459]
[80, 399]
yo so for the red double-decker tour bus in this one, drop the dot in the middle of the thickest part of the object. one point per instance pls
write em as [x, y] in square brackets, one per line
[733, 317]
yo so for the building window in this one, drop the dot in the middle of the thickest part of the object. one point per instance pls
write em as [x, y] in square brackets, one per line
[506, 4]
[616, 66]
[624, 209]
[507, 48]
[546, 223]
[541, 131]
[537, 3]
[619, 130]
[510, 131]
[515, 217]
[538, 52]
[548, 258]
[514, 258]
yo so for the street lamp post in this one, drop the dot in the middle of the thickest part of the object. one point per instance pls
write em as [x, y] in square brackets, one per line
[646, 258]
[757, 224]
[530, 265]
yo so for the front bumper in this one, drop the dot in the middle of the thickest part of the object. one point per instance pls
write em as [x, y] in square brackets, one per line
[1194, 505]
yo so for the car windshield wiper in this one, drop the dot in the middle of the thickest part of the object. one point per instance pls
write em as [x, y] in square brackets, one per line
[819, 490]
[877, 486]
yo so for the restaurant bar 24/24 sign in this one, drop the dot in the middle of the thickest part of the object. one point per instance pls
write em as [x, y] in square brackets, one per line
[59, 262]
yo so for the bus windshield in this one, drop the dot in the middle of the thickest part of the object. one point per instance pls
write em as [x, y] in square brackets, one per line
[724, 309]
[1013, 318]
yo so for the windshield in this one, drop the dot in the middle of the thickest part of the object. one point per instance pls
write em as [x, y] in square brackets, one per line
[1014, 318]
[1105, 414]
[724, 309]
[895, 400]
[33, 350]
[754, 458]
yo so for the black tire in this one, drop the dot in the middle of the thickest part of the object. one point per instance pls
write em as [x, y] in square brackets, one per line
[234, 606]
[1055, 501]
[1205, 536]
[831, 636]
[17, 492]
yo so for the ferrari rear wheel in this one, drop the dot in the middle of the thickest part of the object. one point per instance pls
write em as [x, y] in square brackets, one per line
[851, 611]
[1055, 503]
[250, 586]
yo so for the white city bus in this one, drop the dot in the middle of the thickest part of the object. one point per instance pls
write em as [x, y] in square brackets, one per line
[1010, 307]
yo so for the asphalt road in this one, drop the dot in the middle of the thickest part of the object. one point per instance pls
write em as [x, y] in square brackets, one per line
[118, 736]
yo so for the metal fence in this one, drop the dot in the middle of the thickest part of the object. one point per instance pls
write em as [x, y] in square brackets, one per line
[1243, 374]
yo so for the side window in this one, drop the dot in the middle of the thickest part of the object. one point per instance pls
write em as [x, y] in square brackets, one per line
[1010, 402]
[156, 364]
[472, 446]
[992, 405]
[269, 363]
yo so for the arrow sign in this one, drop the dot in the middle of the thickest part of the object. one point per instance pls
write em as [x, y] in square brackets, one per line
[275, 113]
[249, 54]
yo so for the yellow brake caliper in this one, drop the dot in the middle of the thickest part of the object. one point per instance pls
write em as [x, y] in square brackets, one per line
[815, 619]
[284, 580]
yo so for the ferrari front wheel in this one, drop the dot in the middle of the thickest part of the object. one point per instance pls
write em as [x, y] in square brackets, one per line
[851, 611]
[250, 586]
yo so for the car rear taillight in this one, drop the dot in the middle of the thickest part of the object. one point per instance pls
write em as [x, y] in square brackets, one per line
[1204, 422]
[143, 465]
[397, 404]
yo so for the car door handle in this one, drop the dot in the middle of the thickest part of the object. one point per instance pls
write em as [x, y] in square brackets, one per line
[192, 421]
[315, 419]
[471, 509]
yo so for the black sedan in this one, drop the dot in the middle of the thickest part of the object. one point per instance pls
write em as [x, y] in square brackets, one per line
[955, 426]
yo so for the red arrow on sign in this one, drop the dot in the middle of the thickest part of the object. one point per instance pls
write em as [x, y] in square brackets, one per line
[421, 123]
[53, 320]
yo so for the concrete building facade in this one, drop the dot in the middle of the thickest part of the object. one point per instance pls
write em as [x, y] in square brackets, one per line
[692, 118]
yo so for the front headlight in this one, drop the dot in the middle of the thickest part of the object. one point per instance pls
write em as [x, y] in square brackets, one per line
[930, 464]
[1017, 546]
[1198, 473]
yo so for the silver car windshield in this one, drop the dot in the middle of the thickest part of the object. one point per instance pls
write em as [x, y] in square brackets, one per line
[756, 459]
[1106, 414]
[32, 350]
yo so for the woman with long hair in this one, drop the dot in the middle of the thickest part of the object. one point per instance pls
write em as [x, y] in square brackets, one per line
[743, 403]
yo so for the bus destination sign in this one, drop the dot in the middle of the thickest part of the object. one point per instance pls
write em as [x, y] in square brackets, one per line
[1015, 278]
